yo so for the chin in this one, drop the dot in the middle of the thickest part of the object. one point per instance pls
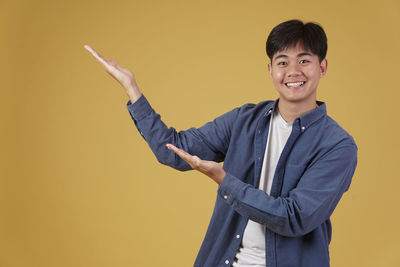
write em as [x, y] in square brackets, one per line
[295, 98]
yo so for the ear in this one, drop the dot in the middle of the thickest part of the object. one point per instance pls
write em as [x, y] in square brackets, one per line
[323, 67]
[270, 69]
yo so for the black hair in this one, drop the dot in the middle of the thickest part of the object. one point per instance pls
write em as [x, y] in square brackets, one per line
[287, 34]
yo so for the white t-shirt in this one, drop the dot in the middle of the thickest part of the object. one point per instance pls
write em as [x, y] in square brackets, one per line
[252, 250]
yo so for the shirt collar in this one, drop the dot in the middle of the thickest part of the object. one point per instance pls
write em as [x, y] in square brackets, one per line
[305, 120]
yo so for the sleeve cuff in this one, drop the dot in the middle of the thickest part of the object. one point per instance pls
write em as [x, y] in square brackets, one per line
[140, 108]
[230, 188]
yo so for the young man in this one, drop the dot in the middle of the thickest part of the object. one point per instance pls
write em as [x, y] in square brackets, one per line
[286, 162]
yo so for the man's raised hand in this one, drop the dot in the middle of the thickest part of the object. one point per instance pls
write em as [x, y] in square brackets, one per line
[124, 76]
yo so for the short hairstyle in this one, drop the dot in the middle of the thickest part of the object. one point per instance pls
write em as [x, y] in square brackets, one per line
[287, 34]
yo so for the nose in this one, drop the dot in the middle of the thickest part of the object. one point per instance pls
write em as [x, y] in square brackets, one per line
[293, 70]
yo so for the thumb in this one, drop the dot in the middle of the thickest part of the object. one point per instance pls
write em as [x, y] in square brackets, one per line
[114, 63]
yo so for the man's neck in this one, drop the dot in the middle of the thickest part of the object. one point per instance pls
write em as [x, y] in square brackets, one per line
[292, 110]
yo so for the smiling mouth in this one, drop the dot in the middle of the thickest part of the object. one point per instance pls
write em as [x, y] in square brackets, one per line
[295, 85]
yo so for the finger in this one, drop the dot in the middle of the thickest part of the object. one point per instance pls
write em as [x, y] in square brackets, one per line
[183, 154]
[100, 58]
[114, 63]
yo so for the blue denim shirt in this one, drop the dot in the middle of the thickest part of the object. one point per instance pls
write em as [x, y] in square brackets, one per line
[314, 170]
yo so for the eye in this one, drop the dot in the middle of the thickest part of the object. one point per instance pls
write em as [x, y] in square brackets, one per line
[282, 63]
[304, 61]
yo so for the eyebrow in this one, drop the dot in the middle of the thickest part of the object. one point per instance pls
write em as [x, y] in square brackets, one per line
[299, 55]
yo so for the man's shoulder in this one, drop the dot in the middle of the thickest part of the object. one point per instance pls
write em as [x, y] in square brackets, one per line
[333, 131]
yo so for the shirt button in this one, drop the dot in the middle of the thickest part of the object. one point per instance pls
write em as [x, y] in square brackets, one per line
[259, 158]
[237, 236]
[226, 197]
[259, 131]
[226, 262]
[303, 128]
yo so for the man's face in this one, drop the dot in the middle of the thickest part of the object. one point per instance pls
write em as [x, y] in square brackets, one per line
[295, 73]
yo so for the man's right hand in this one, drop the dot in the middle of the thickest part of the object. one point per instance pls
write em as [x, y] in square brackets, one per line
[124, 76]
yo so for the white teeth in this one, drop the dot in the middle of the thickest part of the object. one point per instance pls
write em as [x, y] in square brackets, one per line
[295, 84]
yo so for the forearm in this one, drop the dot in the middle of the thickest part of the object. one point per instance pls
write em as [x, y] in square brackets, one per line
[155, 132]
[285, 216]
[202, 142]
[306, 206]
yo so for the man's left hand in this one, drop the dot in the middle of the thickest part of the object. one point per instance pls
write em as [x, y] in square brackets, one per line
[210, 168]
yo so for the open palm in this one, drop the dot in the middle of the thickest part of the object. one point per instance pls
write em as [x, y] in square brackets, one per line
[124, 76]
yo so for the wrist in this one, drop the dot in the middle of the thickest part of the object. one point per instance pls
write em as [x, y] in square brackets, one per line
[134, 94]
[221, 177]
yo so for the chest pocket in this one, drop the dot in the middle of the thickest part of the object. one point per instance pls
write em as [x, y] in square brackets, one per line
[291, 177]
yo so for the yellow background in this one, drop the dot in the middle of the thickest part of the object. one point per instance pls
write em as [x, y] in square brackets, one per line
[80, 187]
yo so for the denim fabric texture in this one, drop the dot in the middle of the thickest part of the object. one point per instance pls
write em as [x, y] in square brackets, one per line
[314, 170]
